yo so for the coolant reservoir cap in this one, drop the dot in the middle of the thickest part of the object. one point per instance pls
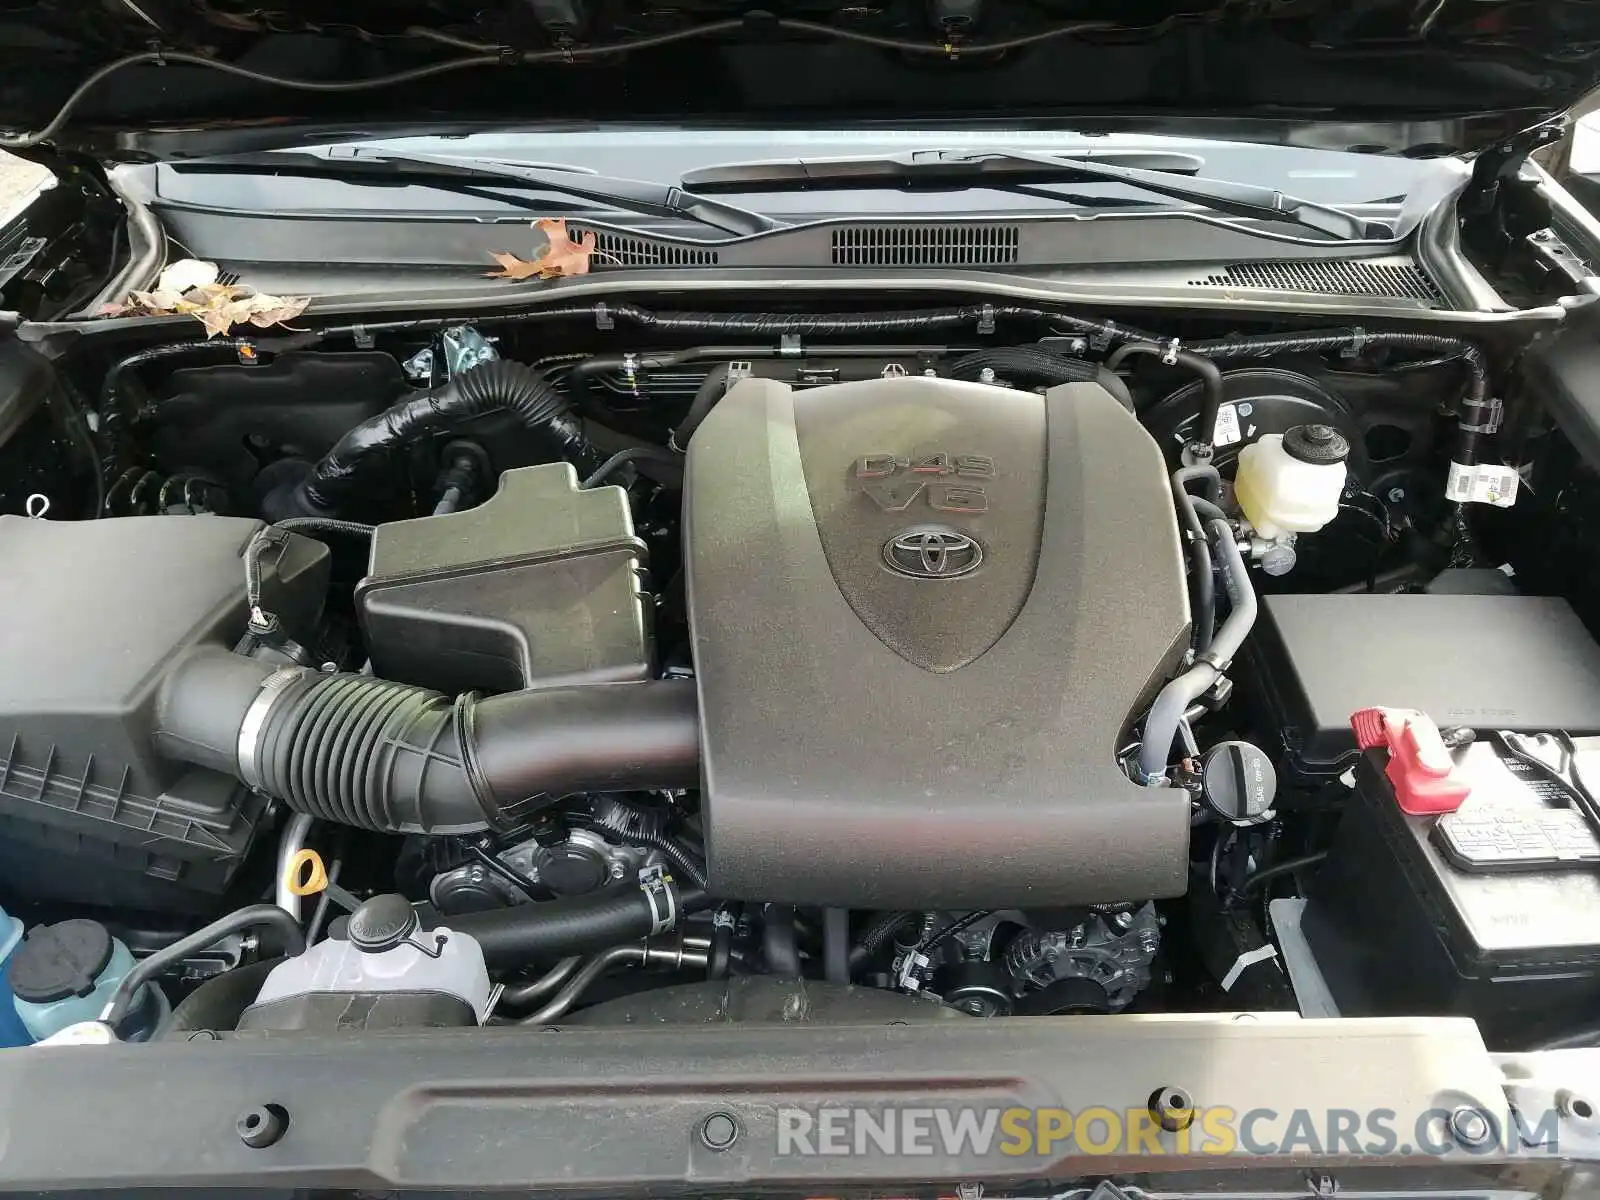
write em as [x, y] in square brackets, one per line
[382, 923]
[1322, 445]
[57, 961]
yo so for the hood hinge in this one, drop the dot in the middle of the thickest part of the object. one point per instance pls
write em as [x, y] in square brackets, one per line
[1500, 163]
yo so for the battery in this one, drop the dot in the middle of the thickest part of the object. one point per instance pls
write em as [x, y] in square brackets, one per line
[1398, 926]
[1523, 663]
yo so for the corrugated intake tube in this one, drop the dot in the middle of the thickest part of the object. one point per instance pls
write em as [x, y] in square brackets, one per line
[519, 389]
[401, 759]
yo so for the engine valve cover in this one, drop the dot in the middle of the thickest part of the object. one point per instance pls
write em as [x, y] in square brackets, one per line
[924, 614]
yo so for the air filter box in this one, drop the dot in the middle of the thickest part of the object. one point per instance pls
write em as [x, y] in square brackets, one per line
[544, 583]
[95, 616]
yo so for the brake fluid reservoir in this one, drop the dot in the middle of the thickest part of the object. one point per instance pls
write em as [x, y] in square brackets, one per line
[1291, 482]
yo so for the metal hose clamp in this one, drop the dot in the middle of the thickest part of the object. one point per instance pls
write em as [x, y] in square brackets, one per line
[656, 885]
[255, 720]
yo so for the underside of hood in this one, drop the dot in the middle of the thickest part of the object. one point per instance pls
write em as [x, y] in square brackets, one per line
[1428, 77]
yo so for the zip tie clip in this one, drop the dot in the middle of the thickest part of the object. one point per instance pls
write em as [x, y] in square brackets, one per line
[602, 317]
[1101, 339]
[1489, 415]
[1358, 342]
[986, 319]
[1170, 355]
[362, 336]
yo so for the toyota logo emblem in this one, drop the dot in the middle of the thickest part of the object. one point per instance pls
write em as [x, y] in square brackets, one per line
[931, 552]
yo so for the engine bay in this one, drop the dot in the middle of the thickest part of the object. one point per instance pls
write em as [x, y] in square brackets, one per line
[984, 659]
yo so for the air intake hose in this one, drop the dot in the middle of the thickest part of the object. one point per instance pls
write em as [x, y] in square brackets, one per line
[401, 759]
[494, 385]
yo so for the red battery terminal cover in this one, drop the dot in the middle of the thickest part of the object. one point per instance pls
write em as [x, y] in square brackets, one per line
[1420, 769]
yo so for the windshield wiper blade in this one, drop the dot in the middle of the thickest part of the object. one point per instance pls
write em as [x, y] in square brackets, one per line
[455, 174]
[1004, 169]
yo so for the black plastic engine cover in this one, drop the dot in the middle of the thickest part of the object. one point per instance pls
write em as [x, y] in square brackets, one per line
[924, 614]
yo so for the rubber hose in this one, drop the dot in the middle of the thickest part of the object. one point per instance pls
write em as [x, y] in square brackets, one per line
[631, 454]
[712, 388]
[520, 389]
[1287, 867]
[877, 935]
[255, 916]
[720, 958]
[1211, 394]
[1202, 586]
[836, 945]
[220, 1001]
[778, 947]
[1161, 726]
[555, 929]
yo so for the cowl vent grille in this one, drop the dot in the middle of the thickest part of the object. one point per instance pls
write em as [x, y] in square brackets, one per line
[615, 250]
[1333, 277]
[926, 246]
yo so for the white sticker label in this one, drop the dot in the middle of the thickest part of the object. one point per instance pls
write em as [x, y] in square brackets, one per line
[1482, 484]
[1227, 430]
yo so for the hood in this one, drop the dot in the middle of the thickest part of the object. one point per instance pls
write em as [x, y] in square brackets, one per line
[1428, 77]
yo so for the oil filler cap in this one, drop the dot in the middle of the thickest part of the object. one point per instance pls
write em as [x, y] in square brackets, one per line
[59, 961]
[1239, 783]
[1320, 445]
[382, 923]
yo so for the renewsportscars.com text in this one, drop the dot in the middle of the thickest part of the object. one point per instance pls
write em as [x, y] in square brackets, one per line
[959, 1132]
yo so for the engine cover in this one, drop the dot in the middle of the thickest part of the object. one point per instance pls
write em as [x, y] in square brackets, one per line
[924, 614]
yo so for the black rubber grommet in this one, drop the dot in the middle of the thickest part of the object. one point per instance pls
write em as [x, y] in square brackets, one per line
[1171, 1108]
[263, 1125]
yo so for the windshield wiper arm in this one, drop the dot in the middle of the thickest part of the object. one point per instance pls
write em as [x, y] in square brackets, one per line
[454, 174]
[1003, 169]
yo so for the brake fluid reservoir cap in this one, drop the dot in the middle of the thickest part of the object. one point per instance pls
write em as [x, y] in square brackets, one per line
[59, 961]
[1320, 445]
[382, 923]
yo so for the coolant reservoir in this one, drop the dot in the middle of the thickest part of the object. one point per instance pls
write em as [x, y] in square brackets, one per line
[388, 973]
[1291, 482]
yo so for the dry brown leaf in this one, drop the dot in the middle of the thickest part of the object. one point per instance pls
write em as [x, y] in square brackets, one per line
[217, 306]
[512, 267]
[287, 309]
[561, 256]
